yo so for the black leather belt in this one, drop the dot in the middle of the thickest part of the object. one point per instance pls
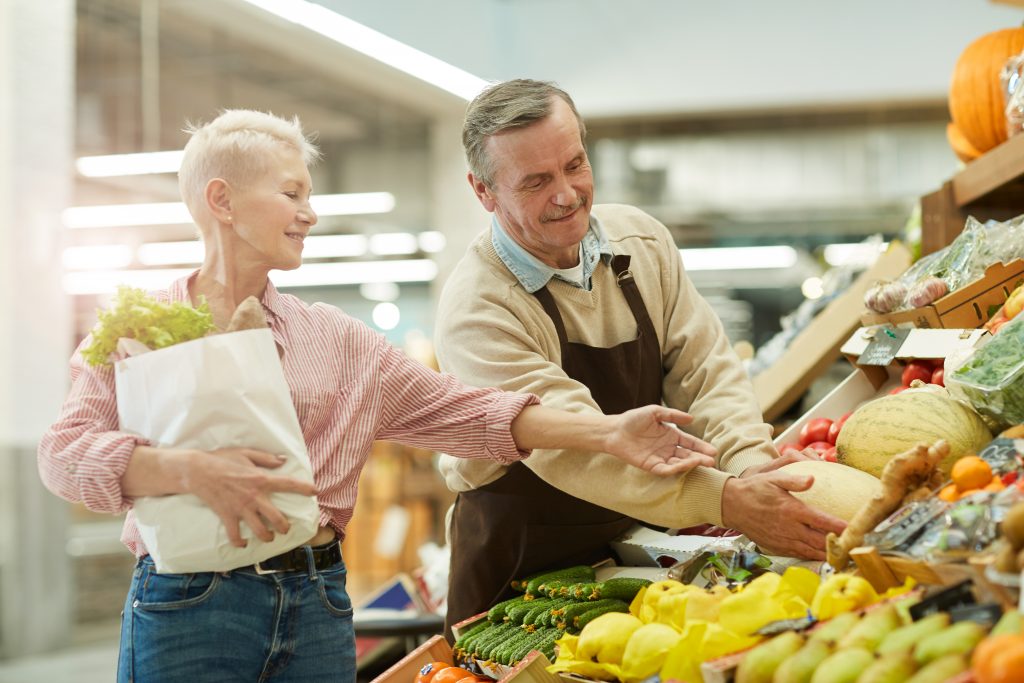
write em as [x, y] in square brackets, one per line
[295, 560]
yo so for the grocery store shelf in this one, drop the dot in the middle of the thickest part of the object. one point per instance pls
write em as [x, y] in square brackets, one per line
[1001, 171]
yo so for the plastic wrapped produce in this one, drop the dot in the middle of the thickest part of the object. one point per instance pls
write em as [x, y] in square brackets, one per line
[992, 380]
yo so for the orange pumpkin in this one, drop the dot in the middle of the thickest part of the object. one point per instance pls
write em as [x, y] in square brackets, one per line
[976, 100]
[999, 659]
[964, 150]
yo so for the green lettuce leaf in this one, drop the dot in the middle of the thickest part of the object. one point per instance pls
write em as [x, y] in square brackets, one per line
[137, 315]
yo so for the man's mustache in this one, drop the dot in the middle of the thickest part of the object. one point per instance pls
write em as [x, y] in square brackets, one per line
[554, 217]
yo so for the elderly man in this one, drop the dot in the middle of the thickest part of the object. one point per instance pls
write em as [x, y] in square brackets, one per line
[589, 307]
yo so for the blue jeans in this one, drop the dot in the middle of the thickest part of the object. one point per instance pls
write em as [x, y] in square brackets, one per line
[237, 626]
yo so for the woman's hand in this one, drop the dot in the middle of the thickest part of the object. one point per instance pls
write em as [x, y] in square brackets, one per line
[236, 483]
[648, 438]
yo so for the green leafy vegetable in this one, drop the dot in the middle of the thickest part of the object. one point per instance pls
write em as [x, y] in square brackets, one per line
[993, 379]
[137, 315]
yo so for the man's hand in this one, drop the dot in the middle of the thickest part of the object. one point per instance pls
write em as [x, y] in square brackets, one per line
[235, 484]
[649, 439]
[786, 458]
[762, 507]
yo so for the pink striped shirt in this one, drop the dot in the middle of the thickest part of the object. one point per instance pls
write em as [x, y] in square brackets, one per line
[349, 387]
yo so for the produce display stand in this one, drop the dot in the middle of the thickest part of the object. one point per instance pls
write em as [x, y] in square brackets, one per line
[990, 187]
[533, 668]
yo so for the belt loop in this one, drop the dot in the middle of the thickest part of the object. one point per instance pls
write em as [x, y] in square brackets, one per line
[310, 562]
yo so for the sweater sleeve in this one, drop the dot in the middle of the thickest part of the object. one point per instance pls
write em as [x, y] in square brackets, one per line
[83, 455]
[704, 377]
[501, 337]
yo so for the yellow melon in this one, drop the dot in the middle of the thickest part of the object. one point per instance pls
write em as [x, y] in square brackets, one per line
[891, 425]
[838, 490]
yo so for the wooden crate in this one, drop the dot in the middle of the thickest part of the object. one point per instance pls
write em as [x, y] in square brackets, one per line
[533, 668]
[885, 572]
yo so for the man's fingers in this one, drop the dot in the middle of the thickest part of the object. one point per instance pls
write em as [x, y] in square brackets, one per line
[793, 482]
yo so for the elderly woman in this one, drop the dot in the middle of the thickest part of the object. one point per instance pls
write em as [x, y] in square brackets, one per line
[246, 182]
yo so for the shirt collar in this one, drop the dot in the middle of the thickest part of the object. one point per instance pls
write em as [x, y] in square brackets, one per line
[532, 273]
[273, 302]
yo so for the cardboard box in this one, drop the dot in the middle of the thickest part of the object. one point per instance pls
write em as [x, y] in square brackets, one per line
[817, 346]
[868, 382]
[968, 307]
[644, 547]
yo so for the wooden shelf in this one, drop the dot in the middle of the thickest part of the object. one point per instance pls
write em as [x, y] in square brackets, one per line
[1001, 171]
[990, 187]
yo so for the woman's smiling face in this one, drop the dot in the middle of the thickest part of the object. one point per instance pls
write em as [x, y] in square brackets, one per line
[271, 215]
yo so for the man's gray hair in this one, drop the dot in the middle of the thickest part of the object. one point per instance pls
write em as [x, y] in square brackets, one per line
[512, 104]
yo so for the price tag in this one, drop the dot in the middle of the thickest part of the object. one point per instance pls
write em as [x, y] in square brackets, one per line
[883, 348]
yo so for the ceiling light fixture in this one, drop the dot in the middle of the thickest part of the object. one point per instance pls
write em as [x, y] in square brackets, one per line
[856, 254]
[309, 275]
[142, 163]
[176, 213]
[100, 257]
[374, 44]
[739, 258]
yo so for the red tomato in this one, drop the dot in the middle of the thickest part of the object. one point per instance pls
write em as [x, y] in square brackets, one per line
[790, 447]
[829, 455]
[820, 446]
[917, 370]
[815, 430]
[451, 675]
[837, 426]
[939, 376]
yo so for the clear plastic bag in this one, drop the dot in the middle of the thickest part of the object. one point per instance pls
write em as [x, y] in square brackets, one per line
[1011, 78]
[992, 379]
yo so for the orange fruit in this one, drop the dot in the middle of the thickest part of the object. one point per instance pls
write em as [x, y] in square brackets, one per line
[995, 485]
[429, 671]
[452, 674]
[949, 493]
[971, 472]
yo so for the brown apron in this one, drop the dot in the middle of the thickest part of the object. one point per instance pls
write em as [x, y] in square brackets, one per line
[519, 524]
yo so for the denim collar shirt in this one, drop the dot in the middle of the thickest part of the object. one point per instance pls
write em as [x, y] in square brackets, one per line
[533, 273]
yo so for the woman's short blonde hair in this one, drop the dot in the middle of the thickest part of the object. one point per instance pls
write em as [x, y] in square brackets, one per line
[233, 147]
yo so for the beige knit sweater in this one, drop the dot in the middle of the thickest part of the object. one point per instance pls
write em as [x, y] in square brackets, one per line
[491, 332]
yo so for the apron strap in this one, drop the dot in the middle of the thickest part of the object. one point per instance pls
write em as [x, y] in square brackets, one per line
[548, 302]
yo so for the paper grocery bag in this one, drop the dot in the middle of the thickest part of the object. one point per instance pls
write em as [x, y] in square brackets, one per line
[227, 390]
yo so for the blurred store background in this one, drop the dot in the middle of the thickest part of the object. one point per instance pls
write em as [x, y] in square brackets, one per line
[773, 139]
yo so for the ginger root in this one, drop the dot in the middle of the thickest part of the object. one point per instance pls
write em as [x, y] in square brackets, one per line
[907, 477]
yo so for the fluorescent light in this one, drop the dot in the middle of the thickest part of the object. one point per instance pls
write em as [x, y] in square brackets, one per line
[432, 241]
[101, 257]
[117, 215]
[175, 213]
[386, 315]
[110, 165]
[739, 258]
[170, 253]
[857, 254]
[107, 281]
[353, 203]
[358, 272]
[379, 291]
[373, 44]
[812, 288]
[393, 243]
[334, 246]
[309, 275]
